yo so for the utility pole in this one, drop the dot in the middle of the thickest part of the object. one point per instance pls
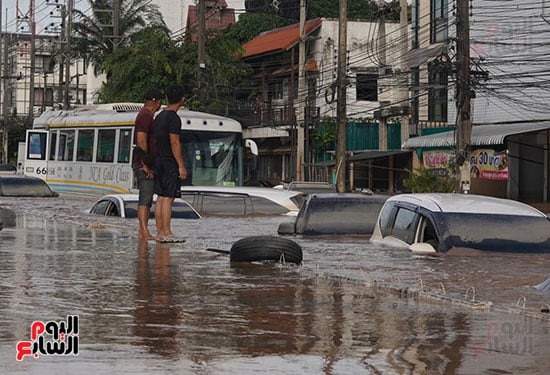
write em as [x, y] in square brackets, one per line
[403, 78]
[68, 33]
[201, 44]
[300, 128]
[33, 61]
[5, 96]
[463, 96]
[116, 31]
[382, 122]
[341, 103]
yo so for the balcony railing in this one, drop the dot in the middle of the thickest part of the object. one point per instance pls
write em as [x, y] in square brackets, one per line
[267, 115]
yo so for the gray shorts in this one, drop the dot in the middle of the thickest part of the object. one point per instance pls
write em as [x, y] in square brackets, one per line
[146, 187]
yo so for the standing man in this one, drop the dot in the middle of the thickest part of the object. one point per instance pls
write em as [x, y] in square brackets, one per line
[145, 153]
[169, 167]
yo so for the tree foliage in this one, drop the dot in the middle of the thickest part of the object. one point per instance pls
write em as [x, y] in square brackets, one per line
[251, 25]
[94, 28]
[424, 180]
[357, 9]
[153, 59]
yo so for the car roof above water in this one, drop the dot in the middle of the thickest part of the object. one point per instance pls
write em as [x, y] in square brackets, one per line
[467, 203]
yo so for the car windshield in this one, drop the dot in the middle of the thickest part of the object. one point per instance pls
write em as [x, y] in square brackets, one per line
[24, 187]
[180, 210]
[494, 232]
[333, 216]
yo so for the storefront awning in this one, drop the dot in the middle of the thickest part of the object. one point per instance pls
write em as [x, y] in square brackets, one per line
[482, 135]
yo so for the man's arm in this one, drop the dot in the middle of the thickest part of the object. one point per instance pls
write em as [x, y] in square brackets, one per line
[175, 145]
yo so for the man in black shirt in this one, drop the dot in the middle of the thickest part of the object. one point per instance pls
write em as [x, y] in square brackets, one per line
[169, 167]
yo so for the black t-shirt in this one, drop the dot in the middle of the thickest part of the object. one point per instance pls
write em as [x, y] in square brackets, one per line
[167, 122]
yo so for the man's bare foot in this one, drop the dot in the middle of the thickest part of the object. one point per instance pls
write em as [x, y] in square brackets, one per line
[147, 237]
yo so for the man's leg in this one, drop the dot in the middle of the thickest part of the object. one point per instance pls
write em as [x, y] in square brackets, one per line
[143, 218]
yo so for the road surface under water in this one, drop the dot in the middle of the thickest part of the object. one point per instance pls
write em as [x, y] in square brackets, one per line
[351, 308]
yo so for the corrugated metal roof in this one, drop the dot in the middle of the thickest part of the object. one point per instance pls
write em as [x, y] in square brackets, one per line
[280, 39]
[482, 135]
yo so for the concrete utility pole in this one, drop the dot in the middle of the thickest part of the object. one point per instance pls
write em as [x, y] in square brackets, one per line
[33, 60]
[68, 32]
[404, 76]
[463, 96]
[5, 96]
[201, 44]
[116, 17]
[302, 88]
[342, 98]
[382, 122]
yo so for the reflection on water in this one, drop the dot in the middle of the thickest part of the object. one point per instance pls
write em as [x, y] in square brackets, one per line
[175, 308]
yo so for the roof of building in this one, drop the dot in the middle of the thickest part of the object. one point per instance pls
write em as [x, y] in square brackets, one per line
[278, 40]
[482, 135]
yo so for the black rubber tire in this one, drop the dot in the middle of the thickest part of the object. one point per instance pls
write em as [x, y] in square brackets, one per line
[266, 248]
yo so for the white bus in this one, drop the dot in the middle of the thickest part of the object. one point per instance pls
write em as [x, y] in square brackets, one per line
[89, 150]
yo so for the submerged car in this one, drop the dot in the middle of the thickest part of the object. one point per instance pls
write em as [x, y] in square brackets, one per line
[125, 205]
[242, 200]
[439, 222]
[334, 213]
[13, 185]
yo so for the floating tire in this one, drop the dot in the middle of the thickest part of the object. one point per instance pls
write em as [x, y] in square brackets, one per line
[266, 248]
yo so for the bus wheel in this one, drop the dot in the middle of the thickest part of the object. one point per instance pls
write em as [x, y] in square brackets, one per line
[266, 248]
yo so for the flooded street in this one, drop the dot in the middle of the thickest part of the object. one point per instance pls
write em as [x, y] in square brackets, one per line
[351, 308]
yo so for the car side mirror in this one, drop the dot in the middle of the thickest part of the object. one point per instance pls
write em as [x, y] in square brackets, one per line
[422, 248]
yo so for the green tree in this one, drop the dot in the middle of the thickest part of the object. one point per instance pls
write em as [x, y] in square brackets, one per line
[250, 25]
[148, 61]
[357, 9]
[94, 28]
[153, 59]
[424, 180]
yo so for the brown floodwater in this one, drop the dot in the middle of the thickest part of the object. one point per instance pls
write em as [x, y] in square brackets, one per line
[351, 308]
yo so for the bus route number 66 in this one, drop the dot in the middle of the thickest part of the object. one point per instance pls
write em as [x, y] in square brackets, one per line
[42, 170]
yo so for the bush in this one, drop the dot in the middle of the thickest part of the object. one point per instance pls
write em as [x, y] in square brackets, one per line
[426, 180]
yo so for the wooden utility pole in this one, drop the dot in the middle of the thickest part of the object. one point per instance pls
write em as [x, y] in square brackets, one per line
[463, 96]
[302, 89]
[341, 103]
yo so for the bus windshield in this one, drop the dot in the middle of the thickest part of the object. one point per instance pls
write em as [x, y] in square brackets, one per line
[211, 157]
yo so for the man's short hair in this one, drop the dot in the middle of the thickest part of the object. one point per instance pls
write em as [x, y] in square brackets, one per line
[154, 95]
[174, 93]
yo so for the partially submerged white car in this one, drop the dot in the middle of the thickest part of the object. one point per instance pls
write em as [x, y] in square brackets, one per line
[242, 200]
[125, 205]
[438, 222]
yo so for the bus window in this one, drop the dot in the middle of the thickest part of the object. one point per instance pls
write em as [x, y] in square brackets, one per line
[66, 145]
[124, 145]
[84, 147]
[106, 146]
[37, 146]
[53, 141]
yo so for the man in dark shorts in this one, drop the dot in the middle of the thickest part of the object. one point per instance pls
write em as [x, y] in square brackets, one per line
[169, 166]
[144, 156]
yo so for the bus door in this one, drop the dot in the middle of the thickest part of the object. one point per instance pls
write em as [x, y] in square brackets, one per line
[36, 157]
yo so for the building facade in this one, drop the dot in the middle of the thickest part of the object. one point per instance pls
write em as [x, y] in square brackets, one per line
[376, 86]
[508, 154]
